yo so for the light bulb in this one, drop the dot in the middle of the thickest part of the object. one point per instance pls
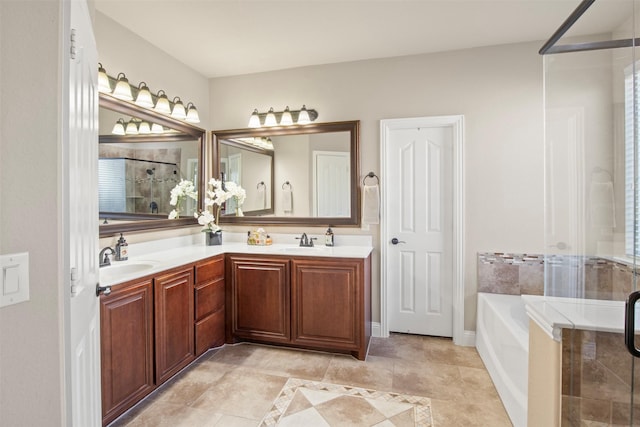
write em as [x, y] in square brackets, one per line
[254, 120]
[162, 104]
[270, 120]
[104, 85]
[303, 116]
[286, 118]
[123, 90]
[144, 96]
[178, 111]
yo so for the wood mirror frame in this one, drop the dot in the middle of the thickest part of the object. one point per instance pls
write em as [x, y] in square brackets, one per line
[143, 222]
[353, 127]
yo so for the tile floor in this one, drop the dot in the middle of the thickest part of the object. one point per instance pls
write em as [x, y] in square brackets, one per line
[241, 385]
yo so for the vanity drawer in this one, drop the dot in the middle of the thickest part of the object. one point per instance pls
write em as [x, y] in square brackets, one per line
[210, 332]
[210, 270]
[209, 298]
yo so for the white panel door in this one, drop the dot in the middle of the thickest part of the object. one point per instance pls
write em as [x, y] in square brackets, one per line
[82, 205]
[419, 222]
[331, 198]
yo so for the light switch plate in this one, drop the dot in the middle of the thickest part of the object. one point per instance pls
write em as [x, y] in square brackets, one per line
[14, 278]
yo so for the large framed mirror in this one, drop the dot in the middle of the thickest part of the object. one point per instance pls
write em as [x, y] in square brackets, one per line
[138, 169]
[311, 177]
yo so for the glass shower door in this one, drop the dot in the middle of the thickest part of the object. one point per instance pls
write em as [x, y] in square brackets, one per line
[592, 229]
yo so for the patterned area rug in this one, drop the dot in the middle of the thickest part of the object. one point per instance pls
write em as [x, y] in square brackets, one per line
[314, 404]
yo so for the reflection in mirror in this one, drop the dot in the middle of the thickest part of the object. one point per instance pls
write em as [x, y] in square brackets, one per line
[314, 173]
[138, 171]
[249, 163]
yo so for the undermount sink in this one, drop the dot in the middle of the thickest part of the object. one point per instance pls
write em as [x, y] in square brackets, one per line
[305, 249]
[126, 267]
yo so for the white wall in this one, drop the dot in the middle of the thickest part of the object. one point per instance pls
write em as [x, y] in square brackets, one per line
[499, 91]
[31, 345]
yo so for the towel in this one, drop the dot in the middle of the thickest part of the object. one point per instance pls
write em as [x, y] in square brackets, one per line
[602, 205]
[287, 200]
[260, 198]
[370, 204]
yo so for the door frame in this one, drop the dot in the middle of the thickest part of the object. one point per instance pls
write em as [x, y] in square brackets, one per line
[456, 123]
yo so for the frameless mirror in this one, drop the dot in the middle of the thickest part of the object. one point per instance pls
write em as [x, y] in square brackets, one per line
[292, 175]
[138, 168]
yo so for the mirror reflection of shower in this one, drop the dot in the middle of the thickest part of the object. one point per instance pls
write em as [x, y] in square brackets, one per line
[153, 205]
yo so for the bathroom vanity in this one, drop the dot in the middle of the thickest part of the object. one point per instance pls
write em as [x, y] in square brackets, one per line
[165, 310]
[307, 302]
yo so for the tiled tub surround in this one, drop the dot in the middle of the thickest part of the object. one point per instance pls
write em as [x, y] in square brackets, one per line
[516, 274]
[595, 364]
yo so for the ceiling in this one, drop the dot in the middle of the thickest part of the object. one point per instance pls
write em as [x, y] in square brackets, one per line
[224, 37]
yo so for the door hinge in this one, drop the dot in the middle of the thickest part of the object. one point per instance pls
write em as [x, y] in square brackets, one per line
[72, 49]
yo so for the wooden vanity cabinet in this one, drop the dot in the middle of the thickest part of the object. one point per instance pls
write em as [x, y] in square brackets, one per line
[328, 304]
[126, 335]
[174, 334]
[209, 304]
[258, 299]
[308, 302]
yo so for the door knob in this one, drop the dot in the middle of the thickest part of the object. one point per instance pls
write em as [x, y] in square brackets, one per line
[105, 290]
[395, 241]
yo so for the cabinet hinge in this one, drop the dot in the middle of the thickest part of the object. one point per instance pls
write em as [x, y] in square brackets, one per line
[72, 49]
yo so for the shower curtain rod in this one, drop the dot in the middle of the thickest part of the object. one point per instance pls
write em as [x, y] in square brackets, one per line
[550, 46]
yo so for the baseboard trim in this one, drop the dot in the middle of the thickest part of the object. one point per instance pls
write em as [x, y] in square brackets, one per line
[376, 330]
[468, 339]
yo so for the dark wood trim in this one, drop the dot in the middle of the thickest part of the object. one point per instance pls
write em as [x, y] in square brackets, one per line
[346, 126]
[187, 132]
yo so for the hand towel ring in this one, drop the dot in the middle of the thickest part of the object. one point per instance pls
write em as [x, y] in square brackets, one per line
[370, 175]
[287, 183]
[261, 183]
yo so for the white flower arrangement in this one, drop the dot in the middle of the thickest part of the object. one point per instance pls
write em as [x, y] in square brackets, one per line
[179, 194]
[215, 196]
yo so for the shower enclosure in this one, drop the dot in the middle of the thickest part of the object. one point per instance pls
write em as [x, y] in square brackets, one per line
[136, 185]
[592, 233]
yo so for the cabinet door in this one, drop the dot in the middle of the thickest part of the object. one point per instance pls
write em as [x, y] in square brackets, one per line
[326, 303]
[126, 335]
[259, 299]
[173, 323]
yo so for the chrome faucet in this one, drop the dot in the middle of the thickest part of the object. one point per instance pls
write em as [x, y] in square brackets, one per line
[104, 257]
[305, 241]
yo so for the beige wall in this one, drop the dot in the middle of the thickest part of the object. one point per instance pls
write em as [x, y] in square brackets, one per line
[31, 343]
[498, 90]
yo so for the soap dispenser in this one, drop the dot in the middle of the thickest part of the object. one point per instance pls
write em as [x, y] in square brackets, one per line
[328, 237]
[122, 249]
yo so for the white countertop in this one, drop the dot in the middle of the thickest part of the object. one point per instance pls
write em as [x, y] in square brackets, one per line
[143, 260]
[553, 314]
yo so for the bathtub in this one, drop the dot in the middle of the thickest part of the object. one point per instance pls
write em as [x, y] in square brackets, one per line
[502, 340]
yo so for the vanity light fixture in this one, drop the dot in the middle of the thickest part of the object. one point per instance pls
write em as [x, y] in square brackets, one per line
[123, 89]
[285, 118]
[103, 80]
[162, 104]
[118, 128]
[178, 111]
[192, 113]
[144, 98]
